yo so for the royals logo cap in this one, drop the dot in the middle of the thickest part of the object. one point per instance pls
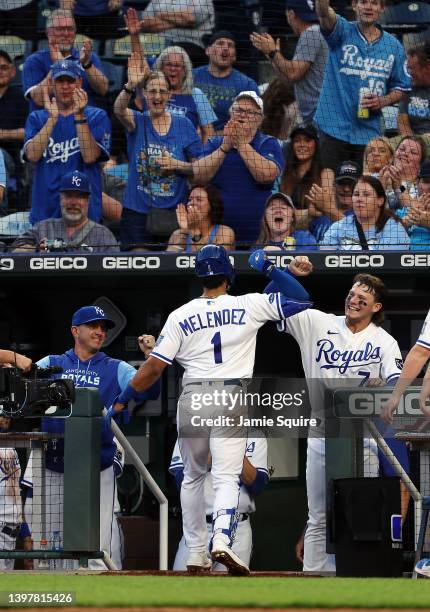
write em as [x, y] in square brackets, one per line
[75, 181]
[88, 314]
[68, 68]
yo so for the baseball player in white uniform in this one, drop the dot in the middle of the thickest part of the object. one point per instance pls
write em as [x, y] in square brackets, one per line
[254, 478]
[352, 347]
[214, 338]
[11, 517]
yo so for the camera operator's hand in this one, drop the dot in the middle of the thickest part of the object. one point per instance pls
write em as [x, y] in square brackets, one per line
[24, 363]
[11, 358]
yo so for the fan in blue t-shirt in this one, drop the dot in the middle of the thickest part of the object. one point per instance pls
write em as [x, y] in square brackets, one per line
[243, 164]
[161, 147]
[219, 81]
[366, 71]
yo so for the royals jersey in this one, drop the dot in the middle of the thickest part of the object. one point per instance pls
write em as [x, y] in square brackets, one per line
[331, 351]
[424, 339]
[355, 67]
[62, 155]
[216, 337]
[256, 453]
[10, 498]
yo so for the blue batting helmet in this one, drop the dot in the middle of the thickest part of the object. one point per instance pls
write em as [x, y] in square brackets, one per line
[212, 260]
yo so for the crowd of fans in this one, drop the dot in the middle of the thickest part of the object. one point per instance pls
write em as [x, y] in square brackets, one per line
[188, 150]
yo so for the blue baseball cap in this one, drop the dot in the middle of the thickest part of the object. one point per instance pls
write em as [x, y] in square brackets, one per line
[75, 181]
[305, 9]
[68, 68]
[88, 314]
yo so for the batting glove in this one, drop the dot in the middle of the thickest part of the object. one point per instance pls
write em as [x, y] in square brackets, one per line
[258, 261]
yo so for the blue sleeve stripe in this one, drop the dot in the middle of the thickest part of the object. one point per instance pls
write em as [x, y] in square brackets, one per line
[173, 467]
[423, 343]
[393, 376]
[278, 305]
[165, 359]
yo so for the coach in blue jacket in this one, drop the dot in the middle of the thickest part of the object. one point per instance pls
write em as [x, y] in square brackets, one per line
[87, 366]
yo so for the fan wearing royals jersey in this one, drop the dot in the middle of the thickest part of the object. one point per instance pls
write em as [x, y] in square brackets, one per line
[349, 349]
[67, 135]
[213, 337]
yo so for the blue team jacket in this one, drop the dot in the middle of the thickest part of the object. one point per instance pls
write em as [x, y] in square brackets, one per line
[110, 377]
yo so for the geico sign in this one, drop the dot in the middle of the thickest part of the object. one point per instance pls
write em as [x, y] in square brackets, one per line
[362, 404]
[6, 263]
[281, 261]
[58, 263]
[187, 262]
[131, 263]
[415, 261]
[354, 261]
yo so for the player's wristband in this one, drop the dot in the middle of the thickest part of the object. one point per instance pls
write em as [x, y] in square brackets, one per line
[125, 396]
[87, 66]
[130, 92]
[223, 150]
[80, 121]
[272, 54]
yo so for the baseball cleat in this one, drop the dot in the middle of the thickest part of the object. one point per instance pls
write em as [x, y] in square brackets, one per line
[198, 562]
[222, 553]
[423, 567]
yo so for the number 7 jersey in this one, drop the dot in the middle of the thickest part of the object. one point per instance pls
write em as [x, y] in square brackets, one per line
[215, 338]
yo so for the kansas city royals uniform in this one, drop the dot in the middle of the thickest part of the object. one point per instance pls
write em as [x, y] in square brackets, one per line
[424, 337]
[331, 351]
[63, 155]
[256, 452]
[10, 503]
[214, 339]
[110, 377]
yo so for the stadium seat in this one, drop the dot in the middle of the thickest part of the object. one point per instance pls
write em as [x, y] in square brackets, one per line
[44, 10]
[17, 79]
[115, 75]
[120, 49]
[413, 39]
[16, 47]
[406, 17]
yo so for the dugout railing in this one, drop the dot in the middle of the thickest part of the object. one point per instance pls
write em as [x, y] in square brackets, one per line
[81, 505]
[351, 414]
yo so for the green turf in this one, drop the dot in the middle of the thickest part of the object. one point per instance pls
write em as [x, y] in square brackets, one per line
[228, 591]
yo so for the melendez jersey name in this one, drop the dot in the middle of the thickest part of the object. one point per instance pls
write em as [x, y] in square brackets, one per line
[216, 338]
[214, 319]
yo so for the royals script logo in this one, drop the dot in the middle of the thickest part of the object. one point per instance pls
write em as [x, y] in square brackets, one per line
[61, 151]
[364, 67]
[332, 358]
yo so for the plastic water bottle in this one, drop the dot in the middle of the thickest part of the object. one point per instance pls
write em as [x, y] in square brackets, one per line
[55, 564]
[43, 564]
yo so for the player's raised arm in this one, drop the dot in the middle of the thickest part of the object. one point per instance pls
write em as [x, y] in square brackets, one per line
[283, 281]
